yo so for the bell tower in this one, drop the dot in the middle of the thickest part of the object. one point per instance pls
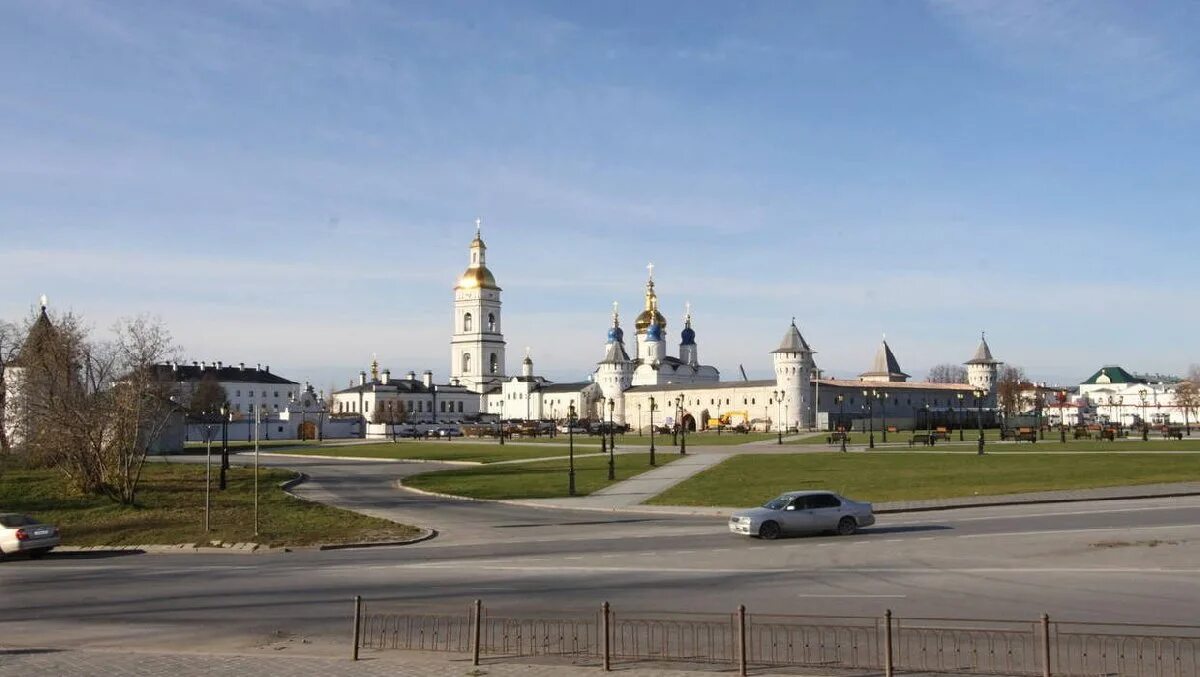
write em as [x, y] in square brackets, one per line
[477, 342]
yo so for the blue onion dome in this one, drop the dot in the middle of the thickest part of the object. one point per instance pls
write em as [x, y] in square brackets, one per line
[688, 336]
[616, 335]
[654, 332]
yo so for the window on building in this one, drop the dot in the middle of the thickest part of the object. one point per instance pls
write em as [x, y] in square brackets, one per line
[467, 322]
[460, 407]
[491, 322]
[466, 362]
[276, 394]
[239, 393]
[367, 405]
[493, 364]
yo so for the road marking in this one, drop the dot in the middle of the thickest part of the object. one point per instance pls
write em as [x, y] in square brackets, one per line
[853, 596]
[848, 570]
[1045, 514]
[1078, 531]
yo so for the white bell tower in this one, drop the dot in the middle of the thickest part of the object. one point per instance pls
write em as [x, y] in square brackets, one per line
[477, 342]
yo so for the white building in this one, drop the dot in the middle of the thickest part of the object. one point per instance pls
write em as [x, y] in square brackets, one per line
[1115, 396]
[247, 389]
[411, 400]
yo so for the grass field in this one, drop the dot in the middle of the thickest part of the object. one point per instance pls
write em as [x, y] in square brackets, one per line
[243, 445]
[541, 479]
[479, 452]
[704, 439]
[171, 510]
[992, 440]
[751, 479]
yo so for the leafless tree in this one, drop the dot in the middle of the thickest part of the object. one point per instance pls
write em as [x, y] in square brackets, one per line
[947, 373]
[209, 396]
[1009, 387]
[10, 346]
[1187, 396]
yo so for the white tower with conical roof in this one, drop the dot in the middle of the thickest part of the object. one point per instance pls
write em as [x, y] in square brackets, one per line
[477, 343]
[793, 378]
[614, 374]
[982, 368]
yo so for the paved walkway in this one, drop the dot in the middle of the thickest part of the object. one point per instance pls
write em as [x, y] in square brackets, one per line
[71, 663]
[633, 491]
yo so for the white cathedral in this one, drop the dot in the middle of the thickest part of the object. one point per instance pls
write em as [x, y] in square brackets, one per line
[680, 389]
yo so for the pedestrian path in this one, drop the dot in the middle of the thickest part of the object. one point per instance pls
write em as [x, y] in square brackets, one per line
[633, 491]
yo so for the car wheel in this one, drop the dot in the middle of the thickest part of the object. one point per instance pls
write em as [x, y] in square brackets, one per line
[769, 531]
[847, 526]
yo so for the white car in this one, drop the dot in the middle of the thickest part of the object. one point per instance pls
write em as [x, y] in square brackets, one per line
[22, 533]
[798, 512]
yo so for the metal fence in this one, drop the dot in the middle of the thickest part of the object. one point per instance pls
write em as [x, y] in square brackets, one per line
[885, 644]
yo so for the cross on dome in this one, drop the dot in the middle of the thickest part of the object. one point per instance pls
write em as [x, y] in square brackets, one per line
[478, 222]
[45, 301]
[650, 267]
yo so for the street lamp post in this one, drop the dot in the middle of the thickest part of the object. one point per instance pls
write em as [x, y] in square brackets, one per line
[571, 450]
[961, 422]
[1120, 417]
[869, 396]
[612, 459]
[1062, 416]
[841, 402]
[883, 413]
[652, 406]
[682, 429]
[639, 406]
[1145, 427]
[979, 417]
[779, 412]
[208, 435]
[257, 415]
[226, 415]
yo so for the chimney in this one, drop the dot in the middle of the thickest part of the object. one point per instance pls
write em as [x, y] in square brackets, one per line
[427, 378]
[203, 365]
[195, 363]
[268, 369]
[242, 366]
[362, 378]
[174, 365]
[220, 364]
[412, 375]
[386, 376]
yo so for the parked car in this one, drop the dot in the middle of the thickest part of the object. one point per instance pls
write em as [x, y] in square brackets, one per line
[22, 533]
[408, 431]
[798, 512]
[577, 429]
[447, 432]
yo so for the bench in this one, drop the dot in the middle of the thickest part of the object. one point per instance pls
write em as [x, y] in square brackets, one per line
[892, 429]
[1109, 434]
[941, 433]
[1026, 435]
[1172, 431]
[925, 440]
[837, 437]
[1081, 433]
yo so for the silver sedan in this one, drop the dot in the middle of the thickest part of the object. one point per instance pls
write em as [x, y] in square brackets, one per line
[801, 512]
[22, 533]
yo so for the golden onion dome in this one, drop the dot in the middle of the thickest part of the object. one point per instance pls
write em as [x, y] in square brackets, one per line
[477, 277]
[644, 320]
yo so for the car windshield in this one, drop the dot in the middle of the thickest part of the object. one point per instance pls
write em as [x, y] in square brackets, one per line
[17, 521]
[777, 503]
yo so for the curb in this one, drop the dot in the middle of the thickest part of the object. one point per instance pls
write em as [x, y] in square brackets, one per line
[364, 458]
[427, 534]
[721, 512]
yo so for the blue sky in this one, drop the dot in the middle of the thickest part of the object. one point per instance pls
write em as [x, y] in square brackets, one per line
[295, 183]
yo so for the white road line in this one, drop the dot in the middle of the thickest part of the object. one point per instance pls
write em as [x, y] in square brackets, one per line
[1078, 531]
[851, 571]
[862, 596]
[1042, 514]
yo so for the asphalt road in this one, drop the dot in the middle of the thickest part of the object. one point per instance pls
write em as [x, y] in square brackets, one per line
[1127, 561]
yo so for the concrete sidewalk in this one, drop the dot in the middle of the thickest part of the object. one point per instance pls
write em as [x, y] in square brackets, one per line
[633, 491]
[124, 663]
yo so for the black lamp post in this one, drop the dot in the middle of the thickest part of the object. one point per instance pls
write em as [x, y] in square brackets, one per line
[612, 459]
[1041, 404]
[1145, 426]
[682, 429]
[652, 406]
[640, 421]
[1062, 416]
[961, 422]
[979, 405]
[225, 416]
[779, 412]
[869, 396]
[841, 402]
[571, 450]
[883, 413]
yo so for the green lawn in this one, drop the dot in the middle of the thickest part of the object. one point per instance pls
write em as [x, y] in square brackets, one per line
[479, 452]
[751, 479]
[542, 479]
[1050, 443]
[705, 439]
[170, 510]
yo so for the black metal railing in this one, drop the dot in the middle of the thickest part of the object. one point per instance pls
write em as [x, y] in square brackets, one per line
[885, 644]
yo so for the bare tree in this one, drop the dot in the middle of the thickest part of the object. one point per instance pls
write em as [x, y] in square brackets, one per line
[1187, 396]
[1009, 387]
[209, 396]
[947, 373]
[10, 347]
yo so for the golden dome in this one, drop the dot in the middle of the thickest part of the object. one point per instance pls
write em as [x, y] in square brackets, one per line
[477, 277]
[643, 321]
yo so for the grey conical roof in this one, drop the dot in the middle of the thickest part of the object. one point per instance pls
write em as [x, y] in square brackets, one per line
[885, 364]
[615, 354]
[983, 354]
[793, 342]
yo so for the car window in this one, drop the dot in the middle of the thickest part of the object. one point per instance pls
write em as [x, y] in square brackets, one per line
[824, 501]
[777, 503]
[16, 521]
